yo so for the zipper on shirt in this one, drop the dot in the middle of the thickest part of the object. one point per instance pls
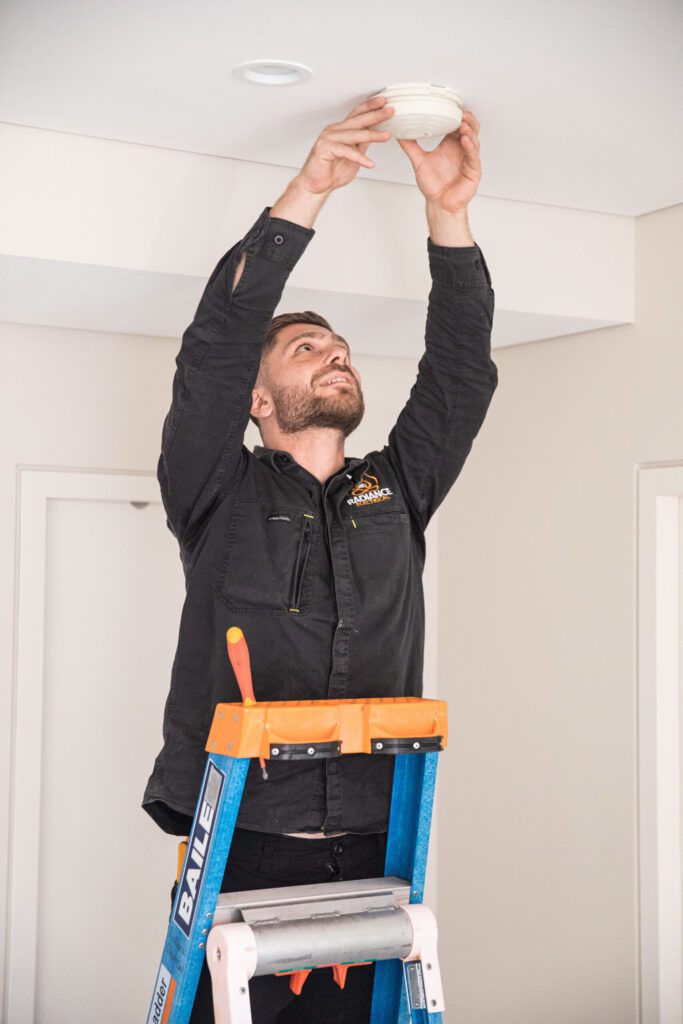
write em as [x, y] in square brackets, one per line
[301, 561]
[337, 595]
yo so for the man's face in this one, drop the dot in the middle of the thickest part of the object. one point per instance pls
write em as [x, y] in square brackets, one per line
[310, 381]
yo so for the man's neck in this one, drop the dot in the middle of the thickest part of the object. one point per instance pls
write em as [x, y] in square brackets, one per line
[319, 450]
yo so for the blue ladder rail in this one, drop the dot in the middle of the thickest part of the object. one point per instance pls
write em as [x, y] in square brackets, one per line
[412, 799]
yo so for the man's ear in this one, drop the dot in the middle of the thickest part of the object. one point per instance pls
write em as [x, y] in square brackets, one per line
[261, 406]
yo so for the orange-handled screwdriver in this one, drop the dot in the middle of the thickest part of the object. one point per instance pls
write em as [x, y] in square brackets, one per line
[238, 652]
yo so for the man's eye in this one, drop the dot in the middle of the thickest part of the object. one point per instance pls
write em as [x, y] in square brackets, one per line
[305, 344]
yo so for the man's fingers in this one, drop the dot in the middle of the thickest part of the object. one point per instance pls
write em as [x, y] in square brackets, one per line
[363, 120]
[469, 133]
[471, 153]
[369, 135]
[371, 104]
[469, 140]
[469, 118]
[349, 153]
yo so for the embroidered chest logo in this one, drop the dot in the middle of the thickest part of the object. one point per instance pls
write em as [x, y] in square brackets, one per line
[368, 491]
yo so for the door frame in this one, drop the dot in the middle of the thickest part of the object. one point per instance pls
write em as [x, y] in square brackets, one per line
[36, 487]
[659, 494]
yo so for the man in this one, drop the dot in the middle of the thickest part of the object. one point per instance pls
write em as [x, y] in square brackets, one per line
[316, 556]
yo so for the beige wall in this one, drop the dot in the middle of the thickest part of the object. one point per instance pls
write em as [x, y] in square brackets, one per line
[537, 660]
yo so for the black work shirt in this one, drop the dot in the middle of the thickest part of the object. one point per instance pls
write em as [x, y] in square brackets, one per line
[324, 580]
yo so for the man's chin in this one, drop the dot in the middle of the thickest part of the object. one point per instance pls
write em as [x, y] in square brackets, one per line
[341, 411]
[332, 391]
[343, 408]
[340, 415]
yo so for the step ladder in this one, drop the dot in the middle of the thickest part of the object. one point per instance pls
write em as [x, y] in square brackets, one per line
[296, 929]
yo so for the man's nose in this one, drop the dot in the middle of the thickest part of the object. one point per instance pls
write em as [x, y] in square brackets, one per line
[339, 355]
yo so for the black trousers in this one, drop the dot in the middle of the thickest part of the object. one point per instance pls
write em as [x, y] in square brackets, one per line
[263, 860]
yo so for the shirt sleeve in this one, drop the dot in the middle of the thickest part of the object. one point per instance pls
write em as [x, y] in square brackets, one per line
[216, 369]
[455, 383]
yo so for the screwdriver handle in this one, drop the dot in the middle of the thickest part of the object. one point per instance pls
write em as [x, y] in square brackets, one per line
[238, 653]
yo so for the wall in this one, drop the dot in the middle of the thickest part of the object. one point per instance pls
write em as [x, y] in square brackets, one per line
[537, 627]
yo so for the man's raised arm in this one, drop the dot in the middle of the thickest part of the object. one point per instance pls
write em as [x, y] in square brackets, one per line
[456, 378]
[201, 444]
[217, 366]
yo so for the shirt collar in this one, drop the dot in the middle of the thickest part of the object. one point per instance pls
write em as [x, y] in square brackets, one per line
[280, 460]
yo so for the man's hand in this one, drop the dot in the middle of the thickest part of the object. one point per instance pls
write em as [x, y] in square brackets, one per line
[448, 176]
[339, 150]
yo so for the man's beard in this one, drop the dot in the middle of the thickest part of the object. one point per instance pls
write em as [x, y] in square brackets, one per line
[299, 408]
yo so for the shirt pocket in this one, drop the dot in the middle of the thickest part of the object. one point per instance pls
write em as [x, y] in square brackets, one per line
[265, 565]
[378, 520]
[380, 547]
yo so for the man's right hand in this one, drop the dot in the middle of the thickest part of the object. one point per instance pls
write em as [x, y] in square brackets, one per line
[339, 150]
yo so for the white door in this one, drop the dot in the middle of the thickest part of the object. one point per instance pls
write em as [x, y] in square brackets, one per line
[92, 873]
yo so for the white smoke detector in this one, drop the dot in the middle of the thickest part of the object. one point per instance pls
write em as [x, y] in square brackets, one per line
[421, 110]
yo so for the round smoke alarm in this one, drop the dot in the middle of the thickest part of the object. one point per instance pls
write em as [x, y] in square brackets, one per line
[421, 110]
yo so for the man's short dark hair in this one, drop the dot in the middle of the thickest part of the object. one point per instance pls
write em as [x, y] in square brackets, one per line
[284, 320]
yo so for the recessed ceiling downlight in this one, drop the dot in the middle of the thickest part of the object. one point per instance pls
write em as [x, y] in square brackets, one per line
[272, 72]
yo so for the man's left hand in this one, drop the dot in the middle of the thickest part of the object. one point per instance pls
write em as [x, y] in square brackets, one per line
[449, 175]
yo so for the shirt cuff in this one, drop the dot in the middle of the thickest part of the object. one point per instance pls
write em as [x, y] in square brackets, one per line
[277, 239]
[463, 265]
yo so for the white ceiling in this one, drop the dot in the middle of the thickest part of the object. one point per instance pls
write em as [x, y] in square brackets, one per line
[579, 102]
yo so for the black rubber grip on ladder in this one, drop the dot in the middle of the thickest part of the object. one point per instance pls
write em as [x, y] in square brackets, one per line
[407, 745]
[304, 751]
